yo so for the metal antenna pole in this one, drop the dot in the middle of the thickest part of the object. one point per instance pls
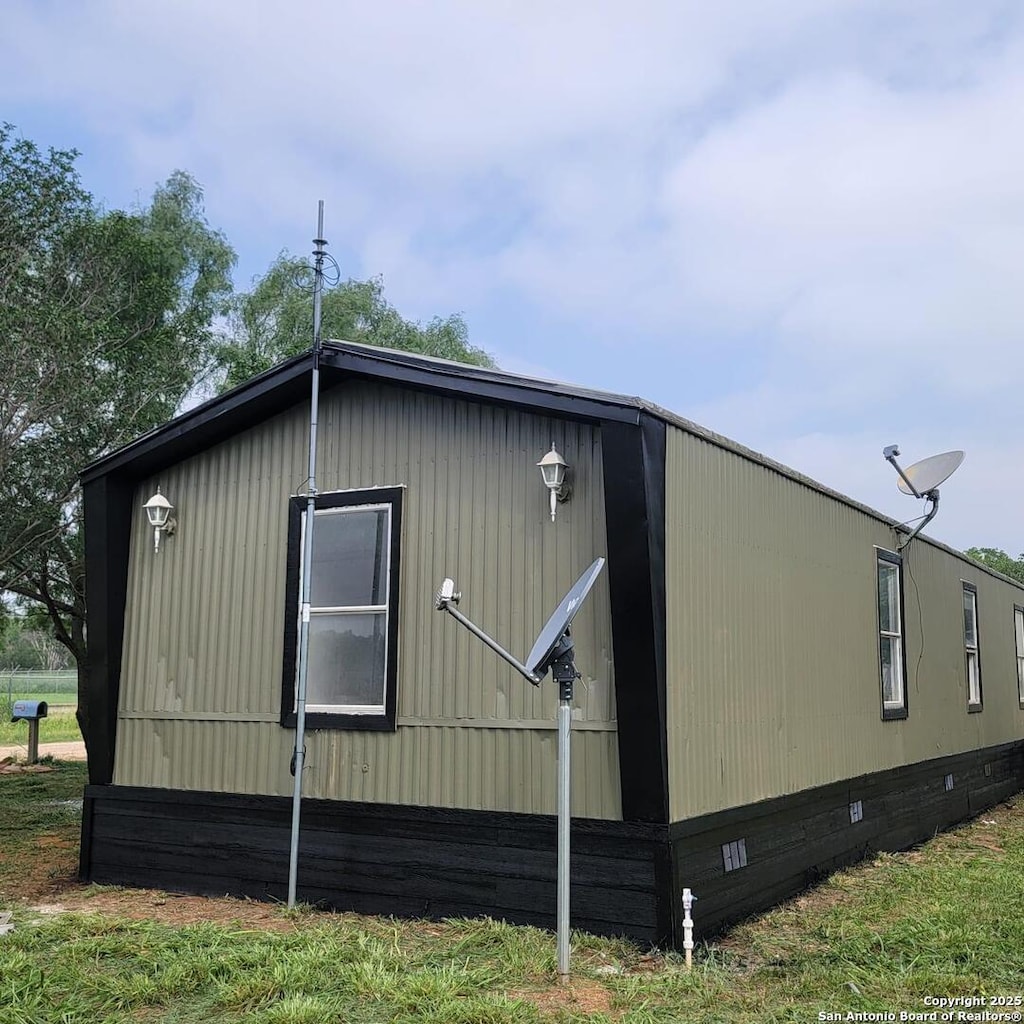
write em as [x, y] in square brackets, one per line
[307, 562]
[563, 670]
[564, 811]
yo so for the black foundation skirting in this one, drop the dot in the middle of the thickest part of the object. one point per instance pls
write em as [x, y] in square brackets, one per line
[432, 862]
[792, 842]
[379, 859]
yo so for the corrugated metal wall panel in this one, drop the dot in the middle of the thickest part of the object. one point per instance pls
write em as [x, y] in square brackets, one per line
[476, 510]
[205, 618]
[773, 678]
[478, 769]
[203, 622]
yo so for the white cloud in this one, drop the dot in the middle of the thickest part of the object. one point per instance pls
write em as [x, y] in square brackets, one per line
[817, 206]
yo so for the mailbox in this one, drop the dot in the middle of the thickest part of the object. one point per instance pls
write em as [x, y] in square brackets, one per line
[28, 710]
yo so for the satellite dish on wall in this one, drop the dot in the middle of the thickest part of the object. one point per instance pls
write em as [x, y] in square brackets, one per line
[927, 474]
[922, 479]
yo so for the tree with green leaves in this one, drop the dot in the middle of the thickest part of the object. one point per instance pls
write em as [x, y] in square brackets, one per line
[996, 558]
[274, 320]
[105, 324]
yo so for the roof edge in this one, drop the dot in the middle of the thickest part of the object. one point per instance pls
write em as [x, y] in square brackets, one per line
[720, 441]
[277, 388]
[206, 412]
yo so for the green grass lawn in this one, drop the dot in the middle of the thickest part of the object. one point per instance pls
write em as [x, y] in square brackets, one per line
[58, 728]
[944, 920]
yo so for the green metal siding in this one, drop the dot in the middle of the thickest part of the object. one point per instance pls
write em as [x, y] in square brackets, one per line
[201, 672]
[772, 642]
[474, 767]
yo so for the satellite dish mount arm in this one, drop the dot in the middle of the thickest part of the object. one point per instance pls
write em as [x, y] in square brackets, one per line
[933, 497]
[890, 454]
[446, 600]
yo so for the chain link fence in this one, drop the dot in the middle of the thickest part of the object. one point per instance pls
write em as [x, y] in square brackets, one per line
[58, 689]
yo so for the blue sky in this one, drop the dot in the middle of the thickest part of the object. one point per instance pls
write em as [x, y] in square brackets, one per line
[800, 223]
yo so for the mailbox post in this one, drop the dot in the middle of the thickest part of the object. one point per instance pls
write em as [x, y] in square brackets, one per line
[30, 711]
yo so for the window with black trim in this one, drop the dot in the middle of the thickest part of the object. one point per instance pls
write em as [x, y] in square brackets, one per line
[353, 610]
[1018, 633]
[891, 653]
[972, 649]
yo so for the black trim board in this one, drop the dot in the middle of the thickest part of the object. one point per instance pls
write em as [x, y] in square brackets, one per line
[472, 384]
[377, 858]
[106, 503]
[208, 424]
[634, 487]
[286, 385]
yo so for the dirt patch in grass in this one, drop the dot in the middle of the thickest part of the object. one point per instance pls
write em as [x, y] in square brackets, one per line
[9, 766]
[50, 885]
[580, 996]
[46, 869]
[176, 910]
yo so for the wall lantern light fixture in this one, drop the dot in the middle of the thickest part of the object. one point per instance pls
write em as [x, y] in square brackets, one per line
[554, 470]
[158, 512]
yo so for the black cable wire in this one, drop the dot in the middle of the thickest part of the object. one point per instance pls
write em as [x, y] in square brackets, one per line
[920, 621]
[304, 277]
[916, 519]
[332, 277]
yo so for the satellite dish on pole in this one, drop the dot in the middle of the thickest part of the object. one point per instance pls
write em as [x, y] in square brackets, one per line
[539, 659]
[554, 650]
[922, 479]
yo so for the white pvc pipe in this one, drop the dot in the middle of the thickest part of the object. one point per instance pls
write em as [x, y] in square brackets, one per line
[688, 899]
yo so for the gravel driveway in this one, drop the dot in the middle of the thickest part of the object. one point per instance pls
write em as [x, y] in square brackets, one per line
[73, 751]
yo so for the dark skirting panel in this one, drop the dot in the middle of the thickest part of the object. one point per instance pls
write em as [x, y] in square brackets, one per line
[792, 842]
[378, 859]
[433, 862]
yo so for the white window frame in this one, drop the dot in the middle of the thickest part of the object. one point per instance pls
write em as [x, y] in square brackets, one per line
[972, 651]
[892, 708]
[368, 609]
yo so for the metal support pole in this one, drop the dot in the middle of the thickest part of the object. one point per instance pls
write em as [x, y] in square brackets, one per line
[33, 740]
[307, 561]
[564, 813]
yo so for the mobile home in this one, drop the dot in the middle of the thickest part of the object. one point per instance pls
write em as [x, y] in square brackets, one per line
[771, 687]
